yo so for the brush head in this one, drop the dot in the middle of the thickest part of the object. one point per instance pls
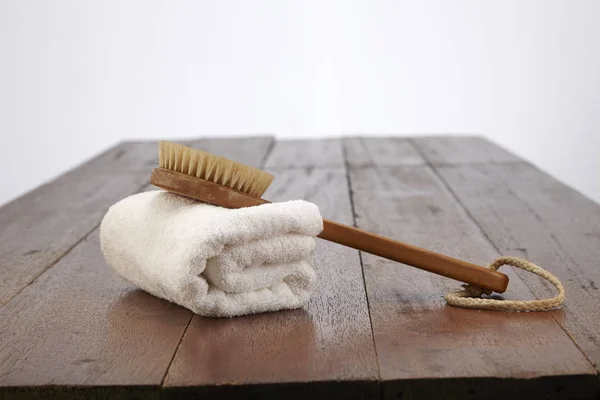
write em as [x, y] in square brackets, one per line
[213, 168]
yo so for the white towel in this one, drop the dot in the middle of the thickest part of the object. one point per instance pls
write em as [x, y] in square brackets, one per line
[212, 260]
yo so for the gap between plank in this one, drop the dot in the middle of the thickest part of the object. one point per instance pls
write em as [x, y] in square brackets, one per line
[362, 269]
[268, 153]
[433, 168]
[162, 381]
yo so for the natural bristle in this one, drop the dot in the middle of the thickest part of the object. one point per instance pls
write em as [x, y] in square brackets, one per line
[210, 167]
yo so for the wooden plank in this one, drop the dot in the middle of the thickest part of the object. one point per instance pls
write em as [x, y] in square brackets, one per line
[392, 151]
[426, 348]
[324, 351]
[306, 154]
[462, 150]
[41, 226]
[527, 213]
[81, 327]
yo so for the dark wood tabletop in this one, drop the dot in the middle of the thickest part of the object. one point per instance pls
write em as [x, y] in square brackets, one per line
[71, 328]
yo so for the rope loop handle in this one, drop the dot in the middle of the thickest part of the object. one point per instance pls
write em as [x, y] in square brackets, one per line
[470, 296]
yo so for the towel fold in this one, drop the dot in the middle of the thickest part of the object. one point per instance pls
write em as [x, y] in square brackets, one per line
[212, 260]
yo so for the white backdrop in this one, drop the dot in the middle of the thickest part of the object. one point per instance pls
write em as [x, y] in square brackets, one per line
[78, 76]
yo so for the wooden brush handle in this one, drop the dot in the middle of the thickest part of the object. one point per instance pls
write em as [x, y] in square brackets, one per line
[213, 193]
[411, 255]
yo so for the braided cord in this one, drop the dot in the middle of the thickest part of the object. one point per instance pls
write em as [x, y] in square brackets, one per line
[470, 296]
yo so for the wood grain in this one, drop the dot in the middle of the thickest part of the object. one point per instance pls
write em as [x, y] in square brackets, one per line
[40, 227]
[202, 190]
[81, 325]
[392, 151]
[246, 150]
[462, 150]
[125, 157]
[306, 154]
[426, 348]
[328, 345]
[526, 213]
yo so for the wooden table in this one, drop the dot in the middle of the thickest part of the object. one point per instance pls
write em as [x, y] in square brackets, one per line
[71, 328]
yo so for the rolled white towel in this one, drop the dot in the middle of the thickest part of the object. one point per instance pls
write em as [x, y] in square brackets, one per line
[212, 260]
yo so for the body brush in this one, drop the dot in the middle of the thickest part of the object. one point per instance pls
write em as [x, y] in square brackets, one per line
[216, 180]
